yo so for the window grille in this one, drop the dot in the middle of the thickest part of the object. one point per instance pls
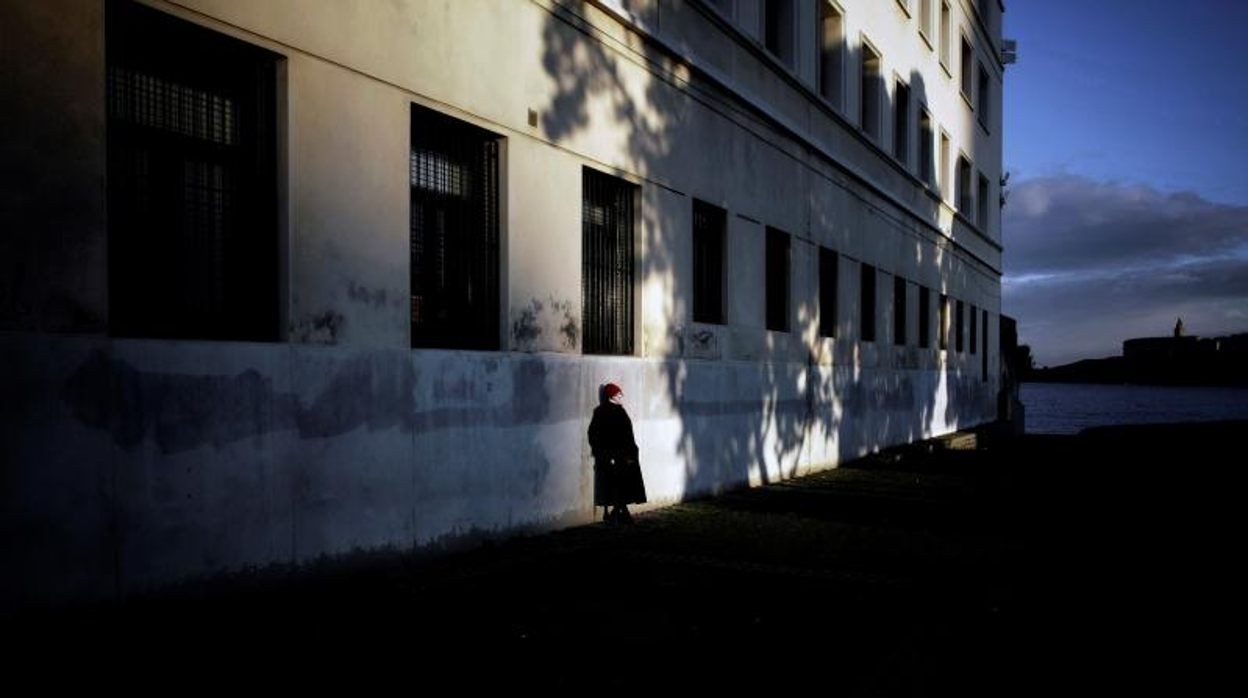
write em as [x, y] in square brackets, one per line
[708, 263]
[607, 264]
[191, 180]
[453, 176]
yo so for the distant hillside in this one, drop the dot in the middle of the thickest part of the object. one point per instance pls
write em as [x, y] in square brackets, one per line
[1179, 360]
[1108, 370]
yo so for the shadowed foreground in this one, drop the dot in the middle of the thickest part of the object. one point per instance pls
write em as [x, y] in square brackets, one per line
[1036, 565]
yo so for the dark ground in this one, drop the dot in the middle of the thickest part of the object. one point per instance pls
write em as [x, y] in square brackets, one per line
[1105, 563]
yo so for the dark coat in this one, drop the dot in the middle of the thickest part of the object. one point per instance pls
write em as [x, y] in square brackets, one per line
[617, 473]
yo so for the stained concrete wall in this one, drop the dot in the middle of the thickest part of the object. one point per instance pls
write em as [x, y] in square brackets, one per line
[129, 464]
[133, 463]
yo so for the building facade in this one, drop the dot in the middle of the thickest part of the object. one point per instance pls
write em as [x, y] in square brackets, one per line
[292, 279]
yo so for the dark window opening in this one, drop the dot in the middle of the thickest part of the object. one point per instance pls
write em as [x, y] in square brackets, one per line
[926, 146]
[901, 123]
[708, 263]
[983, 354]
[968, 67]
[831, 54]
[982, 95]
[974, 329]
[777, 280]
[944, 34]
[963, 193]
[866, 310]
[607, 264]
[869, 115]
[828, 272]
[981, 210]
[453, 173]
[925, 317]
[899, 311]
[191, 180]
[944, 322]
[778, 29]
[958, 328]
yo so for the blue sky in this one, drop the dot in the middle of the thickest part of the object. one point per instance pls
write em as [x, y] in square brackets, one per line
[1126, 135]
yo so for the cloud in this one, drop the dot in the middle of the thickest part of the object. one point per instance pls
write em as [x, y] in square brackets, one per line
[1089, 264]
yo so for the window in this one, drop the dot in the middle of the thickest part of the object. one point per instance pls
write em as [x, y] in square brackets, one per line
[708, 262]
[982, 96]
[983, 354]
[925, 19]
[191, 180]
[944, 322]
[963, 192]
[958, 327]
[925, 319]
[607, 263]
[901, 122]
[777, 280]
[927, 169]
[827, 292]
[899, 311]
[981, 214]
[778, 29]
[968, 67]
[869, 112]
[944, 166]
[974, 329]
[944, 35]
[866, 307]
[831, 54]
[454, 233]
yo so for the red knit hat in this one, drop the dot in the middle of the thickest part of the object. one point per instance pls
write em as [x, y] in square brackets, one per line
[610, 390]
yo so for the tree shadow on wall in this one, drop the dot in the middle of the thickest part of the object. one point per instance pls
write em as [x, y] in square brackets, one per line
[752, 405]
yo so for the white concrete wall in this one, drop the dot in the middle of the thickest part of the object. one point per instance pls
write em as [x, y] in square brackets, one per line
[133, 463]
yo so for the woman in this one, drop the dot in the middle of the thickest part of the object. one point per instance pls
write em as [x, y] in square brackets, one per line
[617, 474]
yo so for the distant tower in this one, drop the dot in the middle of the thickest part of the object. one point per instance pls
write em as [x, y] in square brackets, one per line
[1178, 328]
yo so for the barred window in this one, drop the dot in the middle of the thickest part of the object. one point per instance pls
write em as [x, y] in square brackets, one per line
[191, 180]
[453, 177]
[708, 262]
[827, 292]
[866, 298]
[777, 280]
[607, 263]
